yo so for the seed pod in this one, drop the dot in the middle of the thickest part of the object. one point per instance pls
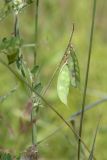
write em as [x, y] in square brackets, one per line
[73, 67]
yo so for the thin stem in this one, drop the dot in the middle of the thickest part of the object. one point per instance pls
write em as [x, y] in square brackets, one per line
[86, 78]
[36, 30]
[33, 134]
[34, 113]
[60, 63]
[32, 45]
[34, 128]
[34, 137]
[16, 26]
[50, 81]
[45, 102]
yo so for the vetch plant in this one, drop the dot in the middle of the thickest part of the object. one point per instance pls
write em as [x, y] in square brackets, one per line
[68, 76]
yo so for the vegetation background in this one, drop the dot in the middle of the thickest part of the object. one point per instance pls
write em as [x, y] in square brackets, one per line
[55, 25]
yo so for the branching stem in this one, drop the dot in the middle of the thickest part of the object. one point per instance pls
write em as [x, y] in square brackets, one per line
[46, 103]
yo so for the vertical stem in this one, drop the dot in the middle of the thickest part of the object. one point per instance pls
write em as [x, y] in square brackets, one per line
[16, 26]
[36, 30]
[86, 78]
[33, 128]
[34, 113]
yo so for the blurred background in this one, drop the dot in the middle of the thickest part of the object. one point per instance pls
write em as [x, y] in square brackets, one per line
[55, 26]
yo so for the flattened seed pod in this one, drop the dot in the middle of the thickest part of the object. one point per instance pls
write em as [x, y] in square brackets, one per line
[73, 67]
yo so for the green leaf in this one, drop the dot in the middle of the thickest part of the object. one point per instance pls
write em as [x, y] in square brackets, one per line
[73, 68]
[63, 84]
[35, 69]
[20, 65]
[93, 145]
[38, 87]
[11, 48]
[12, 55]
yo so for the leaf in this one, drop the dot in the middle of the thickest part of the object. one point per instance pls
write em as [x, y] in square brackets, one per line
[38, 87]
[63, 84]
[20, 65]
[35, 69]
[93, 145]
[23, 72]
[11, 48]
[73, 68]
[12, 55]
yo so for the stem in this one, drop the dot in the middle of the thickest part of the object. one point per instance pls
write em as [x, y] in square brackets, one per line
[34, 113]
[60, 63]
[34, 138]
[33, 134]
[28, 45]
[86, 78]
[36, 30]
[16, 26]
[45, 102]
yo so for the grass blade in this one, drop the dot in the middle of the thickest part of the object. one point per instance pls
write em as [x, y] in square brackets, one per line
[3, 98]
[93, 145]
